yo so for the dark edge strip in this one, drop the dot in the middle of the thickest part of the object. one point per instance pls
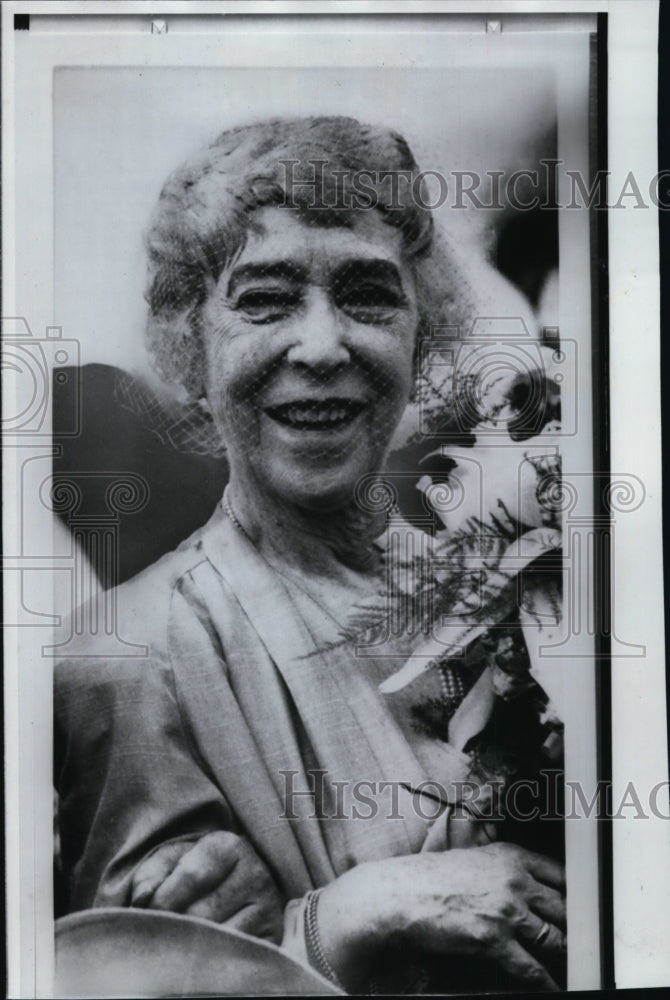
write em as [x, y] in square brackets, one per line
[602, 514]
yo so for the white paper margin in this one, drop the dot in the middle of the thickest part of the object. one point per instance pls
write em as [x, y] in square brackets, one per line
[641, 847]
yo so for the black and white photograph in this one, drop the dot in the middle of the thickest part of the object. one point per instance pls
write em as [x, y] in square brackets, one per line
[318, 501]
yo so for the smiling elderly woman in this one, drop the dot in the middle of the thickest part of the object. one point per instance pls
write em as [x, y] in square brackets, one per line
[248, 769]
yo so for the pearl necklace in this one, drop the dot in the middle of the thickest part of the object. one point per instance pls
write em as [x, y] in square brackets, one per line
[230, 513]
[232, 516]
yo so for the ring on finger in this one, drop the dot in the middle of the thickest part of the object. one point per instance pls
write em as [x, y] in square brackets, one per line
[542, 934]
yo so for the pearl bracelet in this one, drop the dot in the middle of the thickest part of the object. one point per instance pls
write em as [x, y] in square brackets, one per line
[315, 953]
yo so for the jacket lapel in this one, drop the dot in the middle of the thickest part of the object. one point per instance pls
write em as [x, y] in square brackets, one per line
[350, 729]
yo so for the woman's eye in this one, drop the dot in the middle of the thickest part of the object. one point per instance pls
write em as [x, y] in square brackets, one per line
[369, 303]
[266, 305]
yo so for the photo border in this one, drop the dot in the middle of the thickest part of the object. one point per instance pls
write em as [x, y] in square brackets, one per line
[634, 417]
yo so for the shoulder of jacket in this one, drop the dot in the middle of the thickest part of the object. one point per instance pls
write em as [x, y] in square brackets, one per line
[123, 631]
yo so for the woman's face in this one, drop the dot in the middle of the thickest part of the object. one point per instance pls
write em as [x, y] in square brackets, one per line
[309, 336]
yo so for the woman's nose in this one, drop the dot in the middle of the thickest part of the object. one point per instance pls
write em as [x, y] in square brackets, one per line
[318, 335]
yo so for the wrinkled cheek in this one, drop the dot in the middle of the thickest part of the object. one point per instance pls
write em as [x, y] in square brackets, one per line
[399, 386]
[233, 385]
[393, 400]
[237, 419]
[231, 407]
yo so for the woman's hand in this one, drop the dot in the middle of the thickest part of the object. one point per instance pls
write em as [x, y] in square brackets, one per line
[489, 902]
[218, 877]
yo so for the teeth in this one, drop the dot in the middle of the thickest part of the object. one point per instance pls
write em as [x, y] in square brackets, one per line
[316, 414]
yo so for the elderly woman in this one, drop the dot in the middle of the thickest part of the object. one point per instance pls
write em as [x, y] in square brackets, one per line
[248, 768]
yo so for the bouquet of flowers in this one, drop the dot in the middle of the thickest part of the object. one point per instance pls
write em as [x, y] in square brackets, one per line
[483, 596]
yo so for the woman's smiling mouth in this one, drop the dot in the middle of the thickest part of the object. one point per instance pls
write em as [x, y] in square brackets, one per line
[316, 414]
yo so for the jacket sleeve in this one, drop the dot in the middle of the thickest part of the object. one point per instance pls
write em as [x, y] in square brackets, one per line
[127, 775]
